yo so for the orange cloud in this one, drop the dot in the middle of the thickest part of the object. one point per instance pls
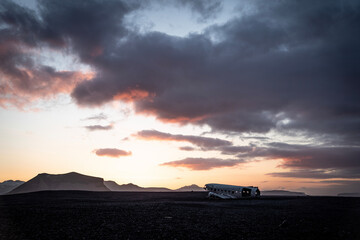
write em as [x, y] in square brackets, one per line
[112, 152]
[23, 80]
[97, 51]
[182, 119]
[172, 119]
[29, 85]
[132, 95]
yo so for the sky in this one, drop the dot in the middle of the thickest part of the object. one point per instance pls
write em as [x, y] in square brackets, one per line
[180, 92]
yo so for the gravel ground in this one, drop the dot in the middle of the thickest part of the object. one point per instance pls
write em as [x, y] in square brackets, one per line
[175, 215]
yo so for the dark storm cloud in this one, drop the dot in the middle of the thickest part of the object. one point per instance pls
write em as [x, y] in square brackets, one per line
[111, 152]
[22, 25]
[202, 10]
[204, 143]
[285, 65]
[91, 28]
[99, 127]
[266, 67]
[294, 61]
[22, 79]
[82, 27]
[206, 8]
[203, 163]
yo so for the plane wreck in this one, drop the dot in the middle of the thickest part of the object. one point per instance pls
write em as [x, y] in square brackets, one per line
[223, 191]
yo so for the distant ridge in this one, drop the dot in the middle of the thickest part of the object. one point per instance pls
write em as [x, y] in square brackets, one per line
[281, 193]
[9, 185]
[77, 181]
[349, 194]
[190, 188]
[113, 186]
[67, 181]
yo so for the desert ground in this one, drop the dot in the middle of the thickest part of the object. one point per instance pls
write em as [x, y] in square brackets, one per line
[174, 215]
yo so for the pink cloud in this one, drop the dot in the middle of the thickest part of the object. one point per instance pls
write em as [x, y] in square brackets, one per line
[112, 152]
[24, 80]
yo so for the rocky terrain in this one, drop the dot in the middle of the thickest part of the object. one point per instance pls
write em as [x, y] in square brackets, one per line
[175, 215]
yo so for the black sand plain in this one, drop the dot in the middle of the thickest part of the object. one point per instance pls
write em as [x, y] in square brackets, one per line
[174, 215]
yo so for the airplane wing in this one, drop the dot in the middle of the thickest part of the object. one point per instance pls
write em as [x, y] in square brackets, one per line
[221, 196]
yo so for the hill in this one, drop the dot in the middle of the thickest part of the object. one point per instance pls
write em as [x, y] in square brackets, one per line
[113, 186]
[9, 185]
[68, 181]
[193, 187]
[281, 193]
[349, 194]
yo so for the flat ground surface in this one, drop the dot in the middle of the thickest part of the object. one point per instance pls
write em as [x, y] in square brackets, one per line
[186, 215]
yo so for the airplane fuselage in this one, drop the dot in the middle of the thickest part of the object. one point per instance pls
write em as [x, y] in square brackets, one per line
[224, 191]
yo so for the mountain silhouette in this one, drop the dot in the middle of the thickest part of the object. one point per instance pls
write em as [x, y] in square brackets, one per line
[189, 188]
[113, 186]
[281, 193]
[77, 181]
[67, 181]
[9, 185]
[349, 194]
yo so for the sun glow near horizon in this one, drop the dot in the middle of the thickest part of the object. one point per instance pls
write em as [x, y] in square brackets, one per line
[58, 143]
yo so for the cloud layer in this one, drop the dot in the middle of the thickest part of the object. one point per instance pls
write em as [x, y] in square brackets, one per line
[22, 78]
[205, 143]
[288, 66]
[308, 161]
[284, 64]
